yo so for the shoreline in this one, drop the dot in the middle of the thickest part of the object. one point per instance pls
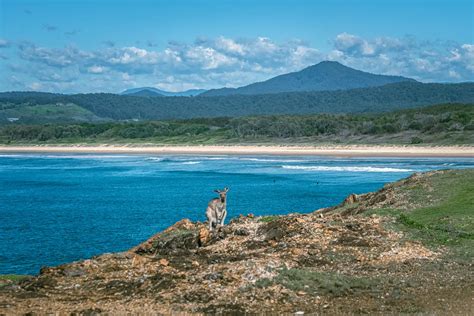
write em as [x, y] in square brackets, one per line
[337, 151]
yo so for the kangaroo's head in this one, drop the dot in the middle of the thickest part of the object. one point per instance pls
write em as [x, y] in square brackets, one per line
[222, 193]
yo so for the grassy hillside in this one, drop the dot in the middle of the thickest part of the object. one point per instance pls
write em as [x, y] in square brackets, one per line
[46, 113]
[442, 124]
[364, 100]
[436, 208]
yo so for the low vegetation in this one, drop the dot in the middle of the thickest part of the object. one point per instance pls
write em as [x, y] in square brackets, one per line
[9, 279]
[46, 113]
[449, 220]
[319, 283]
[441, 124]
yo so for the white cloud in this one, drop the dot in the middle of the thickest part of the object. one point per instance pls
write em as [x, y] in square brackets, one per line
[51, 56]
[128, 55]
[230, 46]
[35, 86]
[208, 58]
[96, 69]
[353, 44]
[126, 77]
[209, 63]
[422, 60]
[454, 74]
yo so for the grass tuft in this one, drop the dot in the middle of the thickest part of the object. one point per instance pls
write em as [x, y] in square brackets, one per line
[313, 282]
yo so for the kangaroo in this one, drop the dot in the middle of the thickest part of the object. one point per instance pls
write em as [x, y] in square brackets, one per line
[217, 209]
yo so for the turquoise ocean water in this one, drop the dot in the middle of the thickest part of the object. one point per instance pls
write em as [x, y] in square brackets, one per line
[60, 208]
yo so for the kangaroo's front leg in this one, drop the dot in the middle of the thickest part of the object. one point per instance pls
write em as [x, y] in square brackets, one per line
[210, 224]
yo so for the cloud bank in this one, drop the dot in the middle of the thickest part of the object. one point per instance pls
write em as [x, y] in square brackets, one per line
[222, 61]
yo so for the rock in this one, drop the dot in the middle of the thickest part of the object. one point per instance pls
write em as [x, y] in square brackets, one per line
[297, 251]
[41, 282]
[138, 261]
[204, 236]
[241, 232]
[183, 235]
[214, 276]
[274, 230]
[73, 272]
[46, 270]
[182, 224]
[351, 199]
[87, 312]
[319, 212]
[175, 241]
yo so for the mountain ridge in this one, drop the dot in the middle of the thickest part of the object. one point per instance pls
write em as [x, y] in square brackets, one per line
[110, 106]
[324, 76]
[150, 91]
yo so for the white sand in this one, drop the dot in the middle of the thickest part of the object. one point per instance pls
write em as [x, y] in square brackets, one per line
[343, 151]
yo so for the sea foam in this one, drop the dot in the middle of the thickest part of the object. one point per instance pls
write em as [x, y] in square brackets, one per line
[345, 168]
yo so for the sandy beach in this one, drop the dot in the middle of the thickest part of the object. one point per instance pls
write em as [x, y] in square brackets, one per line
[341, 151]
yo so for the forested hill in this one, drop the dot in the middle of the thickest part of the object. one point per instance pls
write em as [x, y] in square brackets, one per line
[120, 107]
[325, 76]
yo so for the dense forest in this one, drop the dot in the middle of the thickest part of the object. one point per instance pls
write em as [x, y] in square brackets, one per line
[440, 124]
[102, 106]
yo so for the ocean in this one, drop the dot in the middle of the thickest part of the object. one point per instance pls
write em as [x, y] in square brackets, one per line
[61, 208]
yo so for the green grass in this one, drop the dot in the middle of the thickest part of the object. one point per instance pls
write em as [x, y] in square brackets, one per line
[448, 220]
[267, 219]
[50, 113]
[6, 279]
[314, 282]
[452, 216]
[13, 277]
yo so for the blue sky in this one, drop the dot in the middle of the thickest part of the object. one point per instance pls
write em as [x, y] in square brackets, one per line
[105, 45]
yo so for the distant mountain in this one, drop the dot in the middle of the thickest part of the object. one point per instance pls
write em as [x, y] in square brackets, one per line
[325, 76]
[107, 106]
[144, 93]
[153, 92]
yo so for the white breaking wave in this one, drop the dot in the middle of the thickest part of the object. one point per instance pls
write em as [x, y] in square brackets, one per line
[349, 169]
[217, 158]
[154, 159]
[190, 162]
[270, 160]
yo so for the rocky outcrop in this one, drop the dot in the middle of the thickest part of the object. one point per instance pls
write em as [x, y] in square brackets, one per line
[340, 262]
[393, 195]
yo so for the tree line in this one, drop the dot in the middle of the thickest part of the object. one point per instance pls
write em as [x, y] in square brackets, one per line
[363, 100]
[428, 120]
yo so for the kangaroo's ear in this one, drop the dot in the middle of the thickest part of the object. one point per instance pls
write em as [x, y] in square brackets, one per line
[217, 191]
[226, 189]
